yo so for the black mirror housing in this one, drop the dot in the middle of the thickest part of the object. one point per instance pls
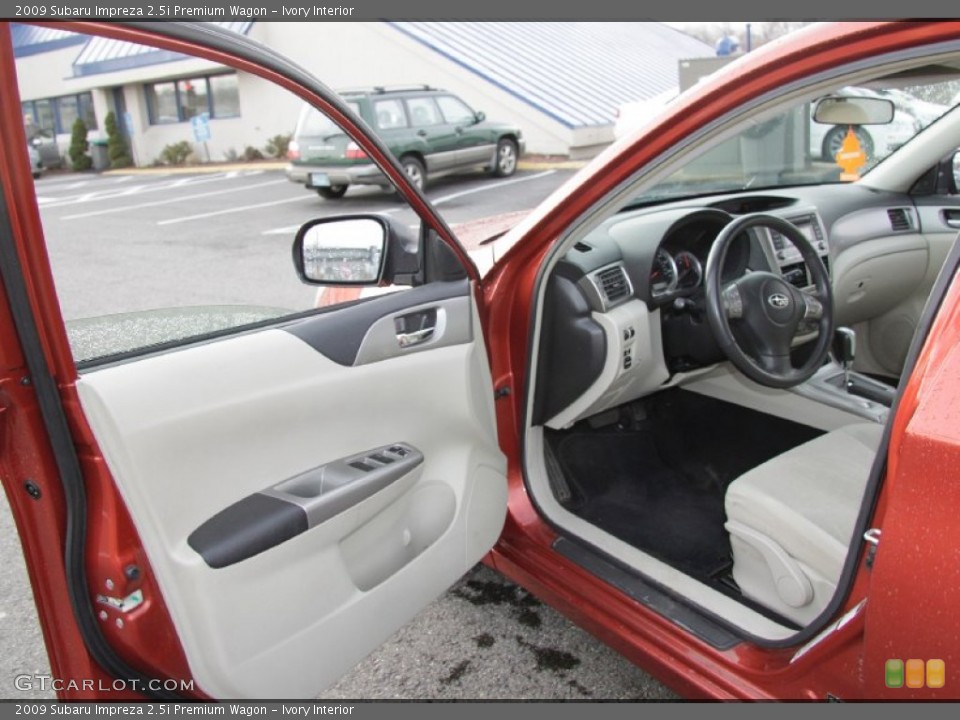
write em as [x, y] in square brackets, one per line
[362, 250]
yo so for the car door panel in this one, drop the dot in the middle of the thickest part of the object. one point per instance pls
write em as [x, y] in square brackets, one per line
[188, 435]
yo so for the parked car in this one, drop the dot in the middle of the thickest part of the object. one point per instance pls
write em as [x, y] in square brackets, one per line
[641, 413]
[431, 132]
[36, 164]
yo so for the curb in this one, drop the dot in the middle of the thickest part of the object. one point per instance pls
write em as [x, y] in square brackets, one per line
[246, 167]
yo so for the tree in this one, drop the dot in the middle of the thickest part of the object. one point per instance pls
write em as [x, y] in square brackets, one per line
[78, 146]
[117, 149]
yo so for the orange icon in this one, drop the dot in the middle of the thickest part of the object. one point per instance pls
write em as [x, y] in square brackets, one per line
[915, 672]
[850, 157]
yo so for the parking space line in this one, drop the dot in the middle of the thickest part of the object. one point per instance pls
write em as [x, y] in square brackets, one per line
[293, 228]
[228, 211]
[100, 195]
[490, 186]
[182, 198]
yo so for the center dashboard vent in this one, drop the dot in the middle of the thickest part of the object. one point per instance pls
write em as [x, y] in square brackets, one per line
[613, 284]
[900, 219]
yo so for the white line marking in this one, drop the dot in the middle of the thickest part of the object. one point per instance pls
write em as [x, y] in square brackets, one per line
[438, 201]
[490, 186]
[2, 615]
[97, 196]
[183, 198]
[293, 228]
[228, 211]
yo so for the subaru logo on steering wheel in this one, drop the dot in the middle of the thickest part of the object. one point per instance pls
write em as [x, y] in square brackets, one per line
[779, 301]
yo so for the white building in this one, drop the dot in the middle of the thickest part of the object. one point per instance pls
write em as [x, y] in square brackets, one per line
[560, 82]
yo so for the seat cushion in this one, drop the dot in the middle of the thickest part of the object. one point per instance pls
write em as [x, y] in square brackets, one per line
[807, 499]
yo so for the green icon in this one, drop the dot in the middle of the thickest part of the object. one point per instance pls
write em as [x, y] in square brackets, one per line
[893, 672]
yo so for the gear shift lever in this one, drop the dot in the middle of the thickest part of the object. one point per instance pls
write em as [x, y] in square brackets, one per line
[845, 350]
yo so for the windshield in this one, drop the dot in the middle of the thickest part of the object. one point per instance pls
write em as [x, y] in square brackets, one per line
[790, 148]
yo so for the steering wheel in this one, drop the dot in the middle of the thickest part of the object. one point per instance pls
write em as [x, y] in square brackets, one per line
[755, 318]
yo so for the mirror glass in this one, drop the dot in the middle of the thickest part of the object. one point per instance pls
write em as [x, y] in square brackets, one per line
[843, 110]
[344, 251]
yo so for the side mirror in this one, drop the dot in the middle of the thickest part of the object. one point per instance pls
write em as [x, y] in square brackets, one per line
[355, 250]
[480, 116]
[853, 110]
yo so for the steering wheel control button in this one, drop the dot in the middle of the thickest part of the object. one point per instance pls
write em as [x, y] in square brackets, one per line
[732, 301]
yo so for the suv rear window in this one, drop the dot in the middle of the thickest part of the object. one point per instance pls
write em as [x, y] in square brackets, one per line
[314, 123]
[389, 114]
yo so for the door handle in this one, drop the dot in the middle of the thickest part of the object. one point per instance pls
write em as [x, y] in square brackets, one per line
[952, 218]
[422, 133]
[416, 337]
[416, 328]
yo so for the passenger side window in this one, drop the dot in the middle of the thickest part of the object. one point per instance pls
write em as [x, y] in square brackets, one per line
[455, 111]
[424, 112]
[389, 114]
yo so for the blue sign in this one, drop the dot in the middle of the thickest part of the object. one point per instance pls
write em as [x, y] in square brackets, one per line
[201, 127]
[128, 123]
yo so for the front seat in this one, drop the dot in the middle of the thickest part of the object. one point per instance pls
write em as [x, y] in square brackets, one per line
[791, 520]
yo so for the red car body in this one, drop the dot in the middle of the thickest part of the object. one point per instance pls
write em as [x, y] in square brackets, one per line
[910, 588]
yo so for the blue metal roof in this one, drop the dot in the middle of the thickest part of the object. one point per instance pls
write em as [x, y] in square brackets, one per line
[104, 55]
[578, 73]
[35, 39]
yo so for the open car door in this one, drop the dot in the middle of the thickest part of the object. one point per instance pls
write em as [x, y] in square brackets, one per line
[282, 497]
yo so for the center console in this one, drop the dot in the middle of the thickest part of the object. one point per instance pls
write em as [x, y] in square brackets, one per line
[785, 256]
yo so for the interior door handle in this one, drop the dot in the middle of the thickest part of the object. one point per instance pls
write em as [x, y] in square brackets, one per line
[952, 218]
[414, 338]
[416, 328]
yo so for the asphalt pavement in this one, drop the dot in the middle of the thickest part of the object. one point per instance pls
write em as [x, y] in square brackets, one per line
[145, 240]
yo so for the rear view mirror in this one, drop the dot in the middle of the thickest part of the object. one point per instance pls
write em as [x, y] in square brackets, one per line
[341, 251]
[845, 110]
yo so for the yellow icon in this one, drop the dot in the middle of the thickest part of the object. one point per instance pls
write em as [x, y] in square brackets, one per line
[936, 673]
[850, 157]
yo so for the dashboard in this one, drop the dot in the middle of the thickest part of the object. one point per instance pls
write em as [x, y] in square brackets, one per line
[625, 309]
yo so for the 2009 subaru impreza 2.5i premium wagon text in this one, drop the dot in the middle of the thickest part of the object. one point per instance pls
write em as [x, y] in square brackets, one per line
[704, 403]
[431, 132]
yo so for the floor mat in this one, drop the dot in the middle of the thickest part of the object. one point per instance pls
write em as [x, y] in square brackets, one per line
[657, 479]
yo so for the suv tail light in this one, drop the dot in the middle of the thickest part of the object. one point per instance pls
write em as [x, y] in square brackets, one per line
[293, 150]
[354, 152]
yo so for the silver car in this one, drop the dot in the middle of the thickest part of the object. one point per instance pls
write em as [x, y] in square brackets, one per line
[36, 164]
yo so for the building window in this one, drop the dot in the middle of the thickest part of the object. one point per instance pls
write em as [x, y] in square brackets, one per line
[57, 115]
[180, 100]
[225, 96]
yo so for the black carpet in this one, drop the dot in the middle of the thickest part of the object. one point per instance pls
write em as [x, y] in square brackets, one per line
[657, 479]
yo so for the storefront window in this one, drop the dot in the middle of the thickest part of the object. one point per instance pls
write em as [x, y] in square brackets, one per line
[180, 100]
[225, 95]
[162, 103]
[86, 111]
[67, 109]
[193, 99]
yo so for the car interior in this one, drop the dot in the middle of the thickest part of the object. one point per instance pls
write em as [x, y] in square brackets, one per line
[716, 356]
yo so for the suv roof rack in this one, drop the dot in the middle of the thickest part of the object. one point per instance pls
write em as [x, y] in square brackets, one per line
[384, 89]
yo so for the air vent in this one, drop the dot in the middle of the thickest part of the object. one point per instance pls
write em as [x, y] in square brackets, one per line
[582, 247]
[613, 284]
[899, 219]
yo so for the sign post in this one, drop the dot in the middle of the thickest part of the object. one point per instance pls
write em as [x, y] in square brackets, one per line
[201, 130]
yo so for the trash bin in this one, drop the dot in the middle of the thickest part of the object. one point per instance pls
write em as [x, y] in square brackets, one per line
[98, 152]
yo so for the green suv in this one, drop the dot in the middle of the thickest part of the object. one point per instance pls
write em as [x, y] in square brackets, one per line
[431, 132]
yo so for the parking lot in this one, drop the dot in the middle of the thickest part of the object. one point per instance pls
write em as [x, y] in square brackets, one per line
[139, 241]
